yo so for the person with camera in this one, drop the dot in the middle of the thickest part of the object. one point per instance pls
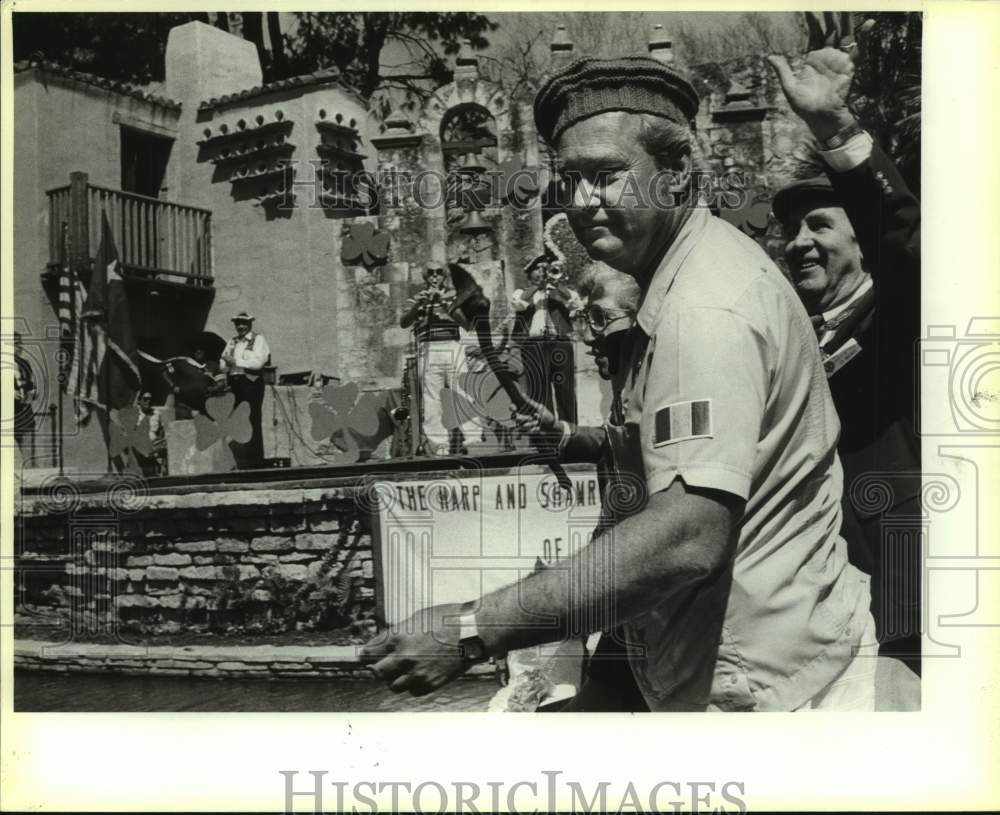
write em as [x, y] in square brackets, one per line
[853, 256]
[439, 353]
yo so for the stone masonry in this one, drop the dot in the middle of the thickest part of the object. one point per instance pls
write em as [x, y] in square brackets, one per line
[194, 562]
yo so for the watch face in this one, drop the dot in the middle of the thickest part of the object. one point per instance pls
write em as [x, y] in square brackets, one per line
[473, 649]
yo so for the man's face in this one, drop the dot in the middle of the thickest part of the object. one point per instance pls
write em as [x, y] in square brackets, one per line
[618, 197]
[242, 328]
[435, 278]
[823, 256]
[146, 403]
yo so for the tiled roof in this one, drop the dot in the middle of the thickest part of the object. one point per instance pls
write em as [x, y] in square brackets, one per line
[316, 78]
[113, 85]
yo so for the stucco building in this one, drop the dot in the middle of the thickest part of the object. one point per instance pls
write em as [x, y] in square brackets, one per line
[225, 194]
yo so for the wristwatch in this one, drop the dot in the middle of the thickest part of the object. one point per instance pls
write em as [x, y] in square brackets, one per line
[473, 647]
[841, 137]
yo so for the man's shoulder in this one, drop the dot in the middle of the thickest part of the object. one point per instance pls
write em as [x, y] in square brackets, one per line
[725, 268]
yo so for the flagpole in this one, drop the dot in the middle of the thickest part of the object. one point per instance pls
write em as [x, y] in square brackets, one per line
[63, 370]
[105, 370]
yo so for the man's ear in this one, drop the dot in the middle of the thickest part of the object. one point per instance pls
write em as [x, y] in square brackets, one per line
[680, 174]
[673, 183]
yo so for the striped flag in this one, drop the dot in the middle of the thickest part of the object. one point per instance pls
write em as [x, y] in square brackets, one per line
[71, 298]
[104, 372]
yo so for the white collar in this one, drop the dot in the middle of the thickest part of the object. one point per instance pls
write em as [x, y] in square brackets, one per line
[686, 239]
[834, 312]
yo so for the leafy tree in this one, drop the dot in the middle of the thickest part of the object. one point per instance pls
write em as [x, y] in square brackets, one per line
[123, 46]
[752, 33]
[520, 56]
[405, 52]
[887, 85]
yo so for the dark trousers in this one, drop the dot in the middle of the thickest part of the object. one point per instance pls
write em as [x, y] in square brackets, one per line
[896, 584]
[550, 375]
[609, 686]
[250, 455]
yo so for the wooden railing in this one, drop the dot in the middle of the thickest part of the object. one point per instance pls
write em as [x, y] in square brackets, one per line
[155, 239]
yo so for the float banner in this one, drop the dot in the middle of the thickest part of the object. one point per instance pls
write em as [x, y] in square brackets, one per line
[454, 538]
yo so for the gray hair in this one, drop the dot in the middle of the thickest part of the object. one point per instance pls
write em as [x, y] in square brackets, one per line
[599, 279]
[665, 140]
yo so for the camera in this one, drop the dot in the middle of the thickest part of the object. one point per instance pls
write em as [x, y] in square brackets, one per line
[967, 369]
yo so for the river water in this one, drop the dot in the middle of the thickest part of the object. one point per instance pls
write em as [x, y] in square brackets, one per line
[105, 693]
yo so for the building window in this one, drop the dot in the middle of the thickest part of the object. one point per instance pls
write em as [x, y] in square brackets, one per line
[144, 161]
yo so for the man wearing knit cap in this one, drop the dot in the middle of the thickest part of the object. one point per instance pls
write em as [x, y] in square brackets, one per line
[730, 577]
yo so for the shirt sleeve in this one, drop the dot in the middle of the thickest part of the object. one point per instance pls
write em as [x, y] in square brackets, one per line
[854, 152]
[704, 402]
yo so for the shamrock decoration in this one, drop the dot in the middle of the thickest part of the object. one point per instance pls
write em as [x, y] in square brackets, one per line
[751, 217]
[517, 184]
[128, 432]
[221, 421]
[338, 414]
[364, 245]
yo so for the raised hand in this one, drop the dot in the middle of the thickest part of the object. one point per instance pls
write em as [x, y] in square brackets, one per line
[819, 93]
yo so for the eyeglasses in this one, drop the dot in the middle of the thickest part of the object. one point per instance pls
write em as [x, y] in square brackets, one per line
[599, 318]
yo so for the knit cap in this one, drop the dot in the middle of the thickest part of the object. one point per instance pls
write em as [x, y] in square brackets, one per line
[589, 86]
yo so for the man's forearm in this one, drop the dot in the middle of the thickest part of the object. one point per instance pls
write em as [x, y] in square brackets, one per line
[621, 573]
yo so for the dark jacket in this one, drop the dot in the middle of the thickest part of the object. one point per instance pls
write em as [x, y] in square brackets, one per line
[876, 392]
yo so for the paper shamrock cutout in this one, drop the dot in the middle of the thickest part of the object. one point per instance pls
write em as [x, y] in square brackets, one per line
[221, 421]
[338, 413]
[364, 245]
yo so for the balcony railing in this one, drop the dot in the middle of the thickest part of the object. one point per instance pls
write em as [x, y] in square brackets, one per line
[157, 240]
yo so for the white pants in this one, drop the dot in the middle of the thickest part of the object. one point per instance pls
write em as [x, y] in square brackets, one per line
[854, 689]
[437, 364]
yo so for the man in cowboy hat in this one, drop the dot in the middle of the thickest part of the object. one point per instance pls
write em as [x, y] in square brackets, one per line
[853, 255]
[729, 575]
[243, 361]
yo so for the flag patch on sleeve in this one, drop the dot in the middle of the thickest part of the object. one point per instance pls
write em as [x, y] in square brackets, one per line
[682, 421]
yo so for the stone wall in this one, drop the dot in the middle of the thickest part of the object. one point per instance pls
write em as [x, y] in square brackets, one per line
[266, 560]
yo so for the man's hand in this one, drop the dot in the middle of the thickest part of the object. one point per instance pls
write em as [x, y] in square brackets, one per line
[420, 654]
[538, 423]
[819, 93]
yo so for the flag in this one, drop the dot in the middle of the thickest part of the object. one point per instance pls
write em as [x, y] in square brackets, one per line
[72, 295]
[104, 373]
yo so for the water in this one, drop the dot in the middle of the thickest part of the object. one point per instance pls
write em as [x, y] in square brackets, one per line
[36, 691]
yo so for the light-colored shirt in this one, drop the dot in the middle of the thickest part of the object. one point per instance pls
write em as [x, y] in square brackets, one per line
[249, 355]
[730, 394]
[541, 325]
[154, 423]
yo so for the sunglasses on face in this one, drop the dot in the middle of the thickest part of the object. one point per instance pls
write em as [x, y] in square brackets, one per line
[599, 318]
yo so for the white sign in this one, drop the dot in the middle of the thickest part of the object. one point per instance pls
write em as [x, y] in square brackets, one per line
[455, 538]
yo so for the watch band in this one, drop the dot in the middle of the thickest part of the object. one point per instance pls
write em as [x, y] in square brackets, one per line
[467, 627]
[841, 137]
[473, 647]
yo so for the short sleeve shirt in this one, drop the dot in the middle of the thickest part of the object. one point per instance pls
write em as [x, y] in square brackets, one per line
[729, 394]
